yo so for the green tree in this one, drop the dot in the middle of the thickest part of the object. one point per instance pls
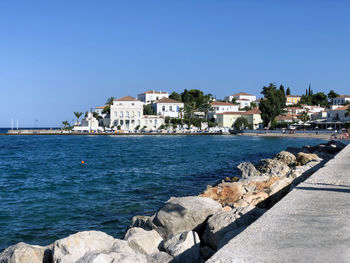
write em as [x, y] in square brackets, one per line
[288, 91]
[241, 123]
[282, 89]
[175, 96]
[65, 124]
[234, 100]
[253, 105]
[331, 95]
[304, 117]
[109, 101]
[347, 113]
[272, 105]
[319, 99]
[148, 110]
[78, 115]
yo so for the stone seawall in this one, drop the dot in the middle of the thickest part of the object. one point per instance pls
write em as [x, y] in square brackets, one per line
[310, 224]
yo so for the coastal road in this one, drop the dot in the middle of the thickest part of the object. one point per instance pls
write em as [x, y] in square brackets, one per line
[310, 224]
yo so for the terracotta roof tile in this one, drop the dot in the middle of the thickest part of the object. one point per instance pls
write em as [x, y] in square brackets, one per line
[242, 94]
[167, 100]
[126, 98]
[221, 103]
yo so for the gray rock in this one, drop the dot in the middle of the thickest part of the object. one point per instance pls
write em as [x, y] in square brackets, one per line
[146, 242]
[119, 252]
[279, 185]
[273, 167]
[247, 215]
[74, 247]
[285, 157]
[184, 214]
[218, 225]
[160, 257]
[24, 253]
[184, 247]
[144, 222]
[247, 169]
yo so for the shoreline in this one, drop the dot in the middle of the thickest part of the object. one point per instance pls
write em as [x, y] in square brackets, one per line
[325, 136]
[198, 225]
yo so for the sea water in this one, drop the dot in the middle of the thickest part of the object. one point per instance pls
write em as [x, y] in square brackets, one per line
[47, 192]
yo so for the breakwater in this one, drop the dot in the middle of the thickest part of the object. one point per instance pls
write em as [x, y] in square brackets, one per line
[180, 229]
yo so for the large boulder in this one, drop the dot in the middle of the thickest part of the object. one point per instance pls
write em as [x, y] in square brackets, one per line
[74, 247]
[184, 214]
[304, 158]
[24, 253]
[273, 167]
[218, 225]
[223, 222]
[118, 252]
[285, 157]
[255, 197]
[184, 247]
[247, 169]
[146, 242]
[225, 193]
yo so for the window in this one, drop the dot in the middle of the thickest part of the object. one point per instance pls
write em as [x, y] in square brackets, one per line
[155, 122]
[163, 108]
[132, 104]
[150, 121]
[121, 114]
[170, 108]
[177, 108]
[146, 122]
[138, 114]
[127, 114]
[116, 114]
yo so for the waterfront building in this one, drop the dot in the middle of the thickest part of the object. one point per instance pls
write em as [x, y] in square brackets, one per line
[294, 110]
[292, 99]
[127, 115]
[220, 107]
[88, 124]
[99, 111]
[341, 100]
[242, 96]
[227, 119]
[168, 108]
[338, 115]
[152, 96]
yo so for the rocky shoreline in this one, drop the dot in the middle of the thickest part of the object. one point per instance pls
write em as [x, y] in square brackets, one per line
[193, 228]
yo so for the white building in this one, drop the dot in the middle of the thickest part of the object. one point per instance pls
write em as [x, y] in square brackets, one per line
[222, 106]
[341, 100]
[99, 111]
[243, 103]
[168, 107]
[152, 96]
[88, 124]
[241, 96]
[127, 114]
[338, 115]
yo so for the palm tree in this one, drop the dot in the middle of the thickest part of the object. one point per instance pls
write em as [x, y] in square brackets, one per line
[304, 117]
[78, 115]
[206, 108]
[109, 101]
[65, 124]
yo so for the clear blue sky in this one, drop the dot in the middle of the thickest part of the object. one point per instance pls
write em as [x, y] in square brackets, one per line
[57, 57]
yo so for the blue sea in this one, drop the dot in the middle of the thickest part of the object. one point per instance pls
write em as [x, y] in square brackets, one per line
[46, 193]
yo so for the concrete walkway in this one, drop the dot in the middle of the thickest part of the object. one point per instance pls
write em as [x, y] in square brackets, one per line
[310, 224]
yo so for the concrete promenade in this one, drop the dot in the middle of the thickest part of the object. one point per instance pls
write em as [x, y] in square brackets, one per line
[310, 224]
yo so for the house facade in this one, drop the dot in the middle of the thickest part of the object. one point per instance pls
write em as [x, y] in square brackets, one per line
[292, 99]
[127, 114]
[227, 119]
[338, 115]
[341, 100]
[241, 96]
[152, 96]
[168, 108]
[220, 107]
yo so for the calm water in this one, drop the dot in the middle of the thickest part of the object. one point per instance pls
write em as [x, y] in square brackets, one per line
[46, 193]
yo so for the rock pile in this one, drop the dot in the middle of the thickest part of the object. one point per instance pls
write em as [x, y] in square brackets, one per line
[188, 229]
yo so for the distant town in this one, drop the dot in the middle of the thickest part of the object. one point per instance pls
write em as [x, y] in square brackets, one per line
[194, 111]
